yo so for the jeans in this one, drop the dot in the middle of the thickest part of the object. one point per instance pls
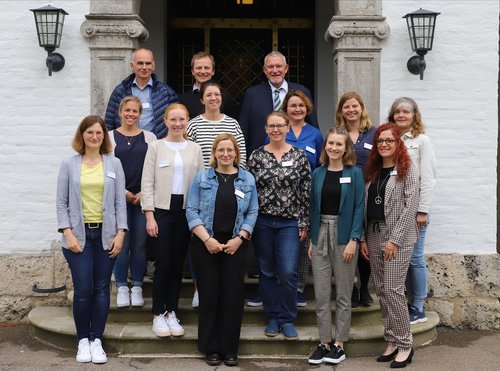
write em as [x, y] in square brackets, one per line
[91, 273]
[133, 252]
[277, 246]
[416, 280]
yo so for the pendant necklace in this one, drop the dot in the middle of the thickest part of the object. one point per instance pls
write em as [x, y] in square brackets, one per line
[224, 177]
[129, 140]
[378, 199]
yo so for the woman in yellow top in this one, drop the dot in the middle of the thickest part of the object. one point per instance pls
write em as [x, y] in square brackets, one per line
[92, 216]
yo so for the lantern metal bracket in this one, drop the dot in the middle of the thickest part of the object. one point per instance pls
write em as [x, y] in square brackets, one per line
[55, 62]
[416, 65]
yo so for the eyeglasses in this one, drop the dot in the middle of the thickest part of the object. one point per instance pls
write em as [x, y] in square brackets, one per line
[389, 142]
[276, 126]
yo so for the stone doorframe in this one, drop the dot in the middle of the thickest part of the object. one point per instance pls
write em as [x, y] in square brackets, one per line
[114, 29]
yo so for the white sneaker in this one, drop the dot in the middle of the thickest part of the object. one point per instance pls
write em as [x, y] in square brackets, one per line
[83, 354]
[123, 297]
[196, 300]
[98, 354]
[175, 327]
[136, 296]
[160, 326]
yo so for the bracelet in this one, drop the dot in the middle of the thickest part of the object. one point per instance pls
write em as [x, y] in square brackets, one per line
[209, 237]
[241, 237]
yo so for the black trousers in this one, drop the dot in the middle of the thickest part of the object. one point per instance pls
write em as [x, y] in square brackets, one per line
[169, 252]
[220, 280]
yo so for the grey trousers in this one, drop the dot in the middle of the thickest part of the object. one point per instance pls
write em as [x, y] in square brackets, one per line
[327, 257]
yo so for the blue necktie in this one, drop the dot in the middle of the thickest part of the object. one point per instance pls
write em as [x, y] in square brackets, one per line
[276, 100]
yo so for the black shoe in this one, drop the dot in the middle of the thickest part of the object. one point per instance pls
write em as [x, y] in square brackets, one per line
[387, 357]
[365, 298]
[355, 297]
[317, 357]
[213, 359]
[335, 355]
[231, 360]
[402, 364]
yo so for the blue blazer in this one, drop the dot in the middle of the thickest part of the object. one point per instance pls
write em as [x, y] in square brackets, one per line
[257, 104]
[69, 199]
[352, 203]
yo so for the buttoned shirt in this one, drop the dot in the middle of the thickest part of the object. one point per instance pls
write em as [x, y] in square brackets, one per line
[147, 118]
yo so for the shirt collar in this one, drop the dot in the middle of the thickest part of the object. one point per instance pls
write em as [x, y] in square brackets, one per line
[406, 135]
[149, 83]
[283, 86]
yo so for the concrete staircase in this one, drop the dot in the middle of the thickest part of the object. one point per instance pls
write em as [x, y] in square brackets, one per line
[128, 331]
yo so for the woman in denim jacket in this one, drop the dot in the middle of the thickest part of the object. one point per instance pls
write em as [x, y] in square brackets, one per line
[221, 211]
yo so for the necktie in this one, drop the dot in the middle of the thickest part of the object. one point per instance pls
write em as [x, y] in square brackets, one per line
[276, 100]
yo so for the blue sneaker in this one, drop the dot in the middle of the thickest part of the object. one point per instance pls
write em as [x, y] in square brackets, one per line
[289, 331]
[416, 316]
[272, 328]
[255, 301]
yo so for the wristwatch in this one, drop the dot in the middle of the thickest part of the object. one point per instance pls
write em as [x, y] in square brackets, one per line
[242, 237]
[355, 239]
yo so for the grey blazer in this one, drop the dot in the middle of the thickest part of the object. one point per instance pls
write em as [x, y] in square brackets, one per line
[69, 199]
[400, 208]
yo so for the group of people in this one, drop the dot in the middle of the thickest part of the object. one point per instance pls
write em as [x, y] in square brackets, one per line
[198, 181]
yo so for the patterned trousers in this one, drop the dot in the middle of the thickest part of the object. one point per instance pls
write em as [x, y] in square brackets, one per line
[389, 279]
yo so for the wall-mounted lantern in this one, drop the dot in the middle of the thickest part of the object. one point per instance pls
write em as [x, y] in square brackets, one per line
[421, 26]
[49, 25]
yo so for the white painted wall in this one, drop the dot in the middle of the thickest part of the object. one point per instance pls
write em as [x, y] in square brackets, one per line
[39, 116]
[458, 102]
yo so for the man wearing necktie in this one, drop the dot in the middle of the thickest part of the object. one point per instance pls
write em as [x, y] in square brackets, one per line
[203, 69]
[261, 99]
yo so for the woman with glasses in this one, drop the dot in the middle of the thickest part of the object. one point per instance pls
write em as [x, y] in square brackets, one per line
[221, 212]
[352, 115]
[283, 177]
[391, 198]
[405, 113]
[92, 217]
[130, 144]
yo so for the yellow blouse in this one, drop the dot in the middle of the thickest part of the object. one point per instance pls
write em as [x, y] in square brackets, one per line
[92, 189]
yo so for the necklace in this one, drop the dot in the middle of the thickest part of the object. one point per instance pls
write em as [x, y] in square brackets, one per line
[225, 178]
[129, 139]
[378, 199]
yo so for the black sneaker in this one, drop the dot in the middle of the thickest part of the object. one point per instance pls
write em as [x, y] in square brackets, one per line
[335, 355]
[317, 357]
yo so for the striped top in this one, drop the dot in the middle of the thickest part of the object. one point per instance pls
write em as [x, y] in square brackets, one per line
[203, 132]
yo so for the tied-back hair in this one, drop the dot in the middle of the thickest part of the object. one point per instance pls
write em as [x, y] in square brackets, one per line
[349, 158]
[365, 123]
[78, 143]
[281, 114]
[130, 98]
[417, 126]
[208, 83]
[402, 160]
[219, 138]
[170, 108]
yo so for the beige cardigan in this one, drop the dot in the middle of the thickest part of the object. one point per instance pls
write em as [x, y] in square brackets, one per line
[157, 173]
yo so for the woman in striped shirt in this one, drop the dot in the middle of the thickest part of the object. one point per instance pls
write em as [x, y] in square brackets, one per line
[205, 127]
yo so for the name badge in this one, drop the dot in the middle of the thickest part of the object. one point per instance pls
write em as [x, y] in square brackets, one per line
[146, 105]
[239, 193]
[310, 149]
[111, 174]
[368, 145]
[164, 163]
[287, 163]
[346, 179]
[394, 172]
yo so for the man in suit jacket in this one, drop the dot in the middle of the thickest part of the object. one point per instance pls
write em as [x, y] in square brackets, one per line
[203, 69]
[259, 100]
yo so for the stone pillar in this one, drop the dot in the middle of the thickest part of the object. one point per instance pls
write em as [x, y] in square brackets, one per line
[114, 29]
[355, 32]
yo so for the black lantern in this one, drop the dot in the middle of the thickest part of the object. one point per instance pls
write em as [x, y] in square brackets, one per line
[421, 25]
[49, 25]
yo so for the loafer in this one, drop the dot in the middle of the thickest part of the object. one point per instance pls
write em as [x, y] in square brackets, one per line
[272, 329]
[213, 359]
[289, 331]
[365, 299]
[231, 360]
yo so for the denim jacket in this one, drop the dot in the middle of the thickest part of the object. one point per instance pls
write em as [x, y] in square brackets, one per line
[200, 207]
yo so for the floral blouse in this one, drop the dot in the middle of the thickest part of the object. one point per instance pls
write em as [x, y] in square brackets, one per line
[283, 187]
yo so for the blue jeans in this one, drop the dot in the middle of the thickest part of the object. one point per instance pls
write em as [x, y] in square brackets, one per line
[133, 252]
[91, 273]
[416, 280]
[277, 247]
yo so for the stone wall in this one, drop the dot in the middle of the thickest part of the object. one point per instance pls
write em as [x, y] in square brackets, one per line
[466, 288]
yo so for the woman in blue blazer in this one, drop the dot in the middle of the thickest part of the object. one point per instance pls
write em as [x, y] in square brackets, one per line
[336, 223]
[92, 216]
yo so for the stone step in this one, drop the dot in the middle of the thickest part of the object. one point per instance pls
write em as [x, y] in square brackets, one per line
[55, 326]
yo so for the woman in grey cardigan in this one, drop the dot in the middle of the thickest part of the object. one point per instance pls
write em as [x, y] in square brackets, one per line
[92, 216]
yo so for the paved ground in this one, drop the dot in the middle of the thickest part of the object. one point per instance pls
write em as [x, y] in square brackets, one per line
[453, 350]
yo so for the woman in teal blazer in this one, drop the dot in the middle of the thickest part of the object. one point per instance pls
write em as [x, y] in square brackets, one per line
[336, 223]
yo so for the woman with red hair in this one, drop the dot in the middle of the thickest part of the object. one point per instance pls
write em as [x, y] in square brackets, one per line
[391, 200]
